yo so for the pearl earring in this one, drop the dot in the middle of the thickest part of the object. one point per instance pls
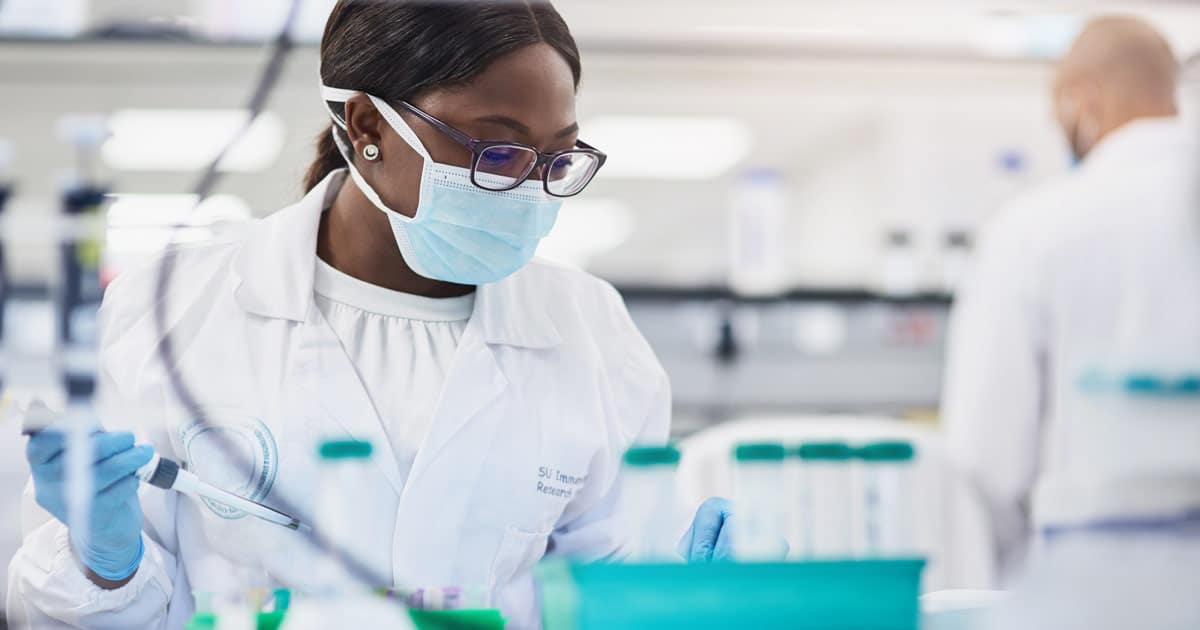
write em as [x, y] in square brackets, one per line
[371, 152]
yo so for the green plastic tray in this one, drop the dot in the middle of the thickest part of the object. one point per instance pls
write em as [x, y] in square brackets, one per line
[457, 619]
[824, 595]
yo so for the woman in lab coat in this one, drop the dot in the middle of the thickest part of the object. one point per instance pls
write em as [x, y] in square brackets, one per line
[396, 303]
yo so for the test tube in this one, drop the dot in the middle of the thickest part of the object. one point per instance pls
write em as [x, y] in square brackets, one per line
[888, 510]
[343, 464]
[335, 598]
[649, 501]
[760, 509]
[823, 526]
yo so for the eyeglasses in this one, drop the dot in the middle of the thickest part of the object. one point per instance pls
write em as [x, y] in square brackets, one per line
[500, 166]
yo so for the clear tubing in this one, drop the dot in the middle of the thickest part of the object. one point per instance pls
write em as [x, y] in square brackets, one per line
[760, 513]
[79, 477]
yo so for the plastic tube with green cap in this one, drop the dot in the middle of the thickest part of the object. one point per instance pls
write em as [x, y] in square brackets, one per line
[888, 509]
[758, 476]
[334, 599]
[825, 515]
[648, 498]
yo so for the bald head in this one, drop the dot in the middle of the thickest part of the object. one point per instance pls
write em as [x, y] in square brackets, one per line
[1118, 70]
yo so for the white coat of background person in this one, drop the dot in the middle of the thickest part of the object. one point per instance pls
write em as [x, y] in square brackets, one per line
[1075, 287]
[310, 324]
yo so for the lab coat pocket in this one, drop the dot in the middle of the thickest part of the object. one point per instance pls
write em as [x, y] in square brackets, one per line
[511, 581]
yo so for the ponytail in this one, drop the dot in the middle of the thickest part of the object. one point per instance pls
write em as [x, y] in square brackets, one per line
[329, 159]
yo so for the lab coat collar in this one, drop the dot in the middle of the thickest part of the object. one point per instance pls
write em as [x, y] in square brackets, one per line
[1137, 140]
[274, 267]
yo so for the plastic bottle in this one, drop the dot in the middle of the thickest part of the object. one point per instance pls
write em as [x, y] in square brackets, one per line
[823, 518]
[336, 598]
[756, 233]
[888, 510]
[761, 508]
[649, 496]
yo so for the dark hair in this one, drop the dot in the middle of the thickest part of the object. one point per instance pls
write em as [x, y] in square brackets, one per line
[398, 49]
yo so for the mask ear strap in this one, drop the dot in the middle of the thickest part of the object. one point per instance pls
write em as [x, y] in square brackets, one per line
[400, 127]
[393, 119]
[336, 95]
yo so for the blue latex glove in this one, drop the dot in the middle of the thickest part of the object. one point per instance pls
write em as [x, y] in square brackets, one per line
[709, 538]
[114, 546]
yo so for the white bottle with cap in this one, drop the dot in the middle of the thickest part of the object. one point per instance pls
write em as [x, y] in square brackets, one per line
[760, 511]
[823, 521]
[759, 204]
[337, 598]
[888, 499]
[648, 497]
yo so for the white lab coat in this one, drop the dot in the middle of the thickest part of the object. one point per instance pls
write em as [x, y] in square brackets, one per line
[1098, 273]
[550, 384]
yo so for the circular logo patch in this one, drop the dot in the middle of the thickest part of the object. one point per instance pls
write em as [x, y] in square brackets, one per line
[233, 451]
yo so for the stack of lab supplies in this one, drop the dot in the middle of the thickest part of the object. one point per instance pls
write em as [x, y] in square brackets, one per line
[846, 510]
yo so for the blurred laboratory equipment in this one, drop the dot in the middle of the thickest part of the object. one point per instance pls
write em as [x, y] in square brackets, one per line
[807, 352]
[761, 504]
[335, 597]
[899, 264]
[80, 289]
[888, 498]
[6, 189]
[649, 494]
[62, 18]
[956, 254]
[823, 511]
[756, 229]
[248, 610]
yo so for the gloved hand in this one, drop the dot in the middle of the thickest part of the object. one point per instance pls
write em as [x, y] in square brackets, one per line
[709, 538]
[113, 547]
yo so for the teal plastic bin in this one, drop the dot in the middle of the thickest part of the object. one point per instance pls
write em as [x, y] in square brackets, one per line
[824, 595]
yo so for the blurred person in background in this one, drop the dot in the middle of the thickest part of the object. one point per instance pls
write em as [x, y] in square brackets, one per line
[1074, 334]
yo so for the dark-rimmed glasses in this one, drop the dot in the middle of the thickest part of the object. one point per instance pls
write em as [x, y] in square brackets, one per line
[498, 165]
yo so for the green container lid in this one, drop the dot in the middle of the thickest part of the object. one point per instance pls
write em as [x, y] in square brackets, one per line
[759, 452]
[824, 451]
[345, 449]
[887, 452]
[1145, 383]
[652, 455]
[1188, 384]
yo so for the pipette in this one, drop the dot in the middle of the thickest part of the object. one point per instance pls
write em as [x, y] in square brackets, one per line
[167, 474]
